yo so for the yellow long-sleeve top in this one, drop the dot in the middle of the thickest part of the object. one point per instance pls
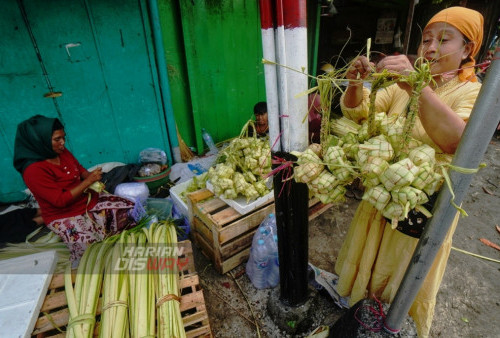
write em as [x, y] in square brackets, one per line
[374, 257]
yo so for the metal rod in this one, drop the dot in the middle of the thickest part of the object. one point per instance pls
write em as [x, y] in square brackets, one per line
[164, 82]
[409, 23]
[314, 68]
[477, 135]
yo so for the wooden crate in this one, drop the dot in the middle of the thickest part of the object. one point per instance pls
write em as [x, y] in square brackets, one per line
[54, 311]
[224, 235]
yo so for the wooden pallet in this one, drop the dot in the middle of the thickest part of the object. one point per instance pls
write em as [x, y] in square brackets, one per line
[54, 311]
[224, 235]
[316, 208]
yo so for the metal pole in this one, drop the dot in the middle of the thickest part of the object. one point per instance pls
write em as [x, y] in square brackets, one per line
[286, 114]
[292, 204]
[294, 26]
[409, 23]
[478, 132]
[163, 80]
[267, 13]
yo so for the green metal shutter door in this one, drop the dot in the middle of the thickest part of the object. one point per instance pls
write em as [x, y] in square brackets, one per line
[22, 86]
[223, 51]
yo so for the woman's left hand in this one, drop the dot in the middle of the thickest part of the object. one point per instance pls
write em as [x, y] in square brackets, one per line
[399, 64]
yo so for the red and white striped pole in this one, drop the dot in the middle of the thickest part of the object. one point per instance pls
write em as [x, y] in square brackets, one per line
[267, 11]
[287, 124]
[291, 38]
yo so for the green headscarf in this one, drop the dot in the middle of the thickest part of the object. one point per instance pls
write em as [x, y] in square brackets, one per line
[33, 141]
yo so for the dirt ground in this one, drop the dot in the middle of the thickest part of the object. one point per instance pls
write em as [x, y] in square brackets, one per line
[467, 303]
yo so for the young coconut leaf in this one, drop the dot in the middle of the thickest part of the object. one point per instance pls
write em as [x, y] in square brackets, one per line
[377, 146]
[393, 211]
[424, 176]
[406, 195]
[422, 154]
[399, 174]
[324, 183]
[307, 172]
[377, 196]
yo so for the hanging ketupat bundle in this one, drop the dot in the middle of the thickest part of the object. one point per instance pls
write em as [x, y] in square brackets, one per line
[398, 171]
[309, 166]
[327, 185]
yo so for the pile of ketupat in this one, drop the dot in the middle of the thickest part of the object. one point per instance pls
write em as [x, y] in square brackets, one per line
[399, 173]
[135, 303]
[198, 182]
[241, 167]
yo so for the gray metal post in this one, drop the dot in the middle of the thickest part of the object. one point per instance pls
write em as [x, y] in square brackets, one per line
[478, 132]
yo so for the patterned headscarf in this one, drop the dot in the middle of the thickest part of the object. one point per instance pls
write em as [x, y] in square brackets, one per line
[33, 141]
[470, 23]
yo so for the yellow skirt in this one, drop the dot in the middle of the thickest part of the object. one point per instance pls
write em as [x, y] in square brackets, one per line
[374, 258]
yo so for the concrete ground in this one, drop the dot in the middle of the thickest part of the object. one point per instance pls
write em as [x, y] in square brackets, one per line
[234, 304]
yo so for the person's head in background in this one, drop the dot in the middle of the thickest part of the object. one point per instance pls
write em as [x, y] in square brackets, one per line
[260, 112]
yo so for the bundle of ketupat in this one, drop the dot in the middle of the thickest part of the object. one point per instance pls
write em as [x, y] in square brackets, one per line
[399, 173]
[241, 169]
[324, 178]
[393, 185]
[198, 182]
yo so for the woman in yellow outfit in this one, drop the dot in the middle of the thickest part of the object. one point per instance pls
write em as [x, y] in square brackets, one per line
[374, 257]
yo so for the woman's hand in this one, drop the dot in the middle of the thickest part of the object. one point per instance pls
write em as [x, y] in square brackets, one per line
[359, 70]
[399, 64]
[94, 176]
[88, 179]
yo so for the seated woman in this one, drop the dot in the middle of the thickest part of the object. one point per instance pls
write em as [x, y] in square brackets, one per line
[59, 183]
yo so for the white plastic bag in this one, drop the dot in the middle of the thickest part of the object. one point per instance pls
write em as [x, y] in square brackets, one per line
[132, 190]
[153, 155]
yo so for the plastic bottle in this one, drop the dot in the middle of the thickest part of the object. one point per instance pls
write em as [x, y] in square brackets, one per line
[209, 141]
[270, 222]
[273, 277]
[263, 233]
[266, 230]
[257, 266]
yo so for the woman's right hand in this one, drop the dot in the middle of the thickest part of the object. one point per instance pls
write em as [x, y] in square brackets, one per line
[359, 69]
[94, 176]
[90, 177]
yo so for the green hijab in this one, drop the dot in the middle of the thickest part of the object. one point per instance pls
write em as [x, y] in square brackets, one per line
[34, 141]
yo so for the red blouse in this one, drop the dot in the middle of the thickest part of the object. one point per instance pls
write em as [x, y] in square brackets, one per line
[51, 185]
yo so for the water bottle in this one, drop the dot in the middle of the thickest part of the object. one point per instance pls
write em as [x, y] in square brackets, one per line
[262, 233]
[266, 230]
[273, 277]
[270, 222]
[259, 261]
[209, 141]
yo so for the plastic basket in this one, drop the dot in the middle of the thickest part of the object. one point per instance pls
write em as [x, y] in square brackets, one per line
[158, 209]
[182, 223]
